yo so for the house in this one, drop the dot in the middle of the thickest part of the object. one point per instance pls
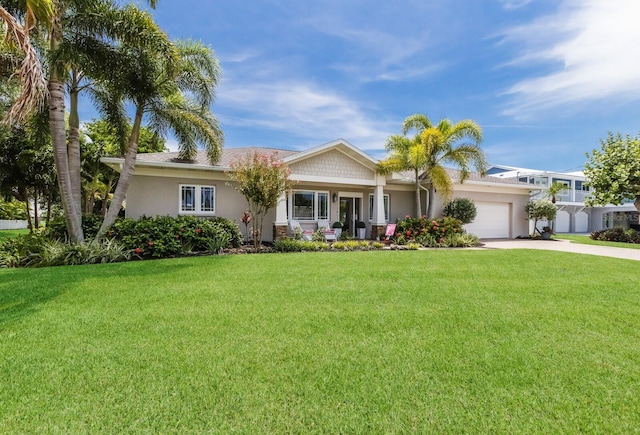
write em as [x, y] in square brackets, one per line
[573, 215]
[335, 181]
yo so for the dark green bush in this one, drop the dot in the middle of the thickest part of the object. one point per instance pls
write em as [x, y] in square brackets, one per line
[57, 228]
[617, 235]
[462, 209]
[166, 236]
[162, 236]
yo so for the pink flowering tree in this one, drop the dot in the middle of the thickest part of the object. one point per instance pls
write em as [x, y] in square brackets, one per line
[262, 179]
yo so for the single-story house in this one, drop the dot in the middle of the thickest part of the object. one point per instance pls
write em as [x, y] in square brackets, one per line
[335, 182]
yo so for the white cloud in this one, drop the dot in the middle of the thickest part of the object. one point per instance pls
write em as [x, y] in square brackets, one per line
[514, 4]
[302, 109]
[590, 47]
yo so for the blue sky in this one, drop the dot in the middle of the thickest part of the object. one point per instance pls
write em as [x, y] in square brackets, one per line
[545, 79]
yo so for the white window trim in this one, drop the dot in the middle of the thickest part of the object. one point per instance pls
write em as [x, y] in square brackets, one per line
[198, 200]
[387, 208]
[315, 204]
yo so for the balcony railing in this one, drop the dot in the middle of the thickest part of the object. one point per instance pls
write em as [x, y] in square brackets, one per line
[567, 196]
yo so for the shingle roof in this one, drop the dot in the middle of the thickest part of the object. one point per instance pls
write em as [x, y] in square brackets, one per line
[227, 157]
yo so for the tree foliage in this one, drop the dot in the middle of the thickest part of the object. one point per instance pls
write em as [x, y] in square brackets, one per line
[262, 179]
[463, 209]
[613, 171]
[540, 209]
[430, 150]
[407, 153]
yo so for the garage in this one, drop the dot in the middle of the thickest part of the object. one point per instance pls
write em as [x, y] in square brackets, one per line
[493, 220]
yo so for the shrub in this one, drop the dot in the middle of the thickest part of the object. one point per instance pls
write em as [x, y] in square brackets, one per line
[377, 245]
[462, 209]
[293, 245]
[426, 231]
[617, 235]
[36, 250]
[162, 236]
[13, 210]
[166, 236]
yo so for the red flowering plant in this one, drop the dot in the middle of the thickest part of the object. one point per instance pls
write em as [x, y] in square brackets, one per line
[427, 232]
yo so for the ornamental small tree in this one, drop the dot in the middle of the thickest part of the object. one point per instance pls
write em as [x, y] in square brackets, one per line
[262, 179]
[463, 209]
[540, 209]
[614, 171]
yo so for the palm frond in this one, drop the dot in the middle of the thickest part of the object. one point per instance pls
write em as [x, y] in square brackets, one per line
[441, 180]
[416, 122]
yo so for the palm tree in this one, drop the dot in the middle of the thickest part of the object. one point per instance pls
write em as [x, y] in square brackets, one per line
[404, 154]
[32, 79]
[453, 144]
[555, 189]
[159, 91]
[407, 154]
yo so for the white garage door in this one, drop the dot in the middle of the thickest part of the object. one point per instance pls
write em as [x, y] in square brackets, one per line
[562, 222]
[492, 221]
[582, 222]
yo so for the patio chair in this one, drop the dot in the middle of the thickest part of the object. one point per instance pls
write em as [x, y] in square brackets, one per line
[297, 228]
[329, 233]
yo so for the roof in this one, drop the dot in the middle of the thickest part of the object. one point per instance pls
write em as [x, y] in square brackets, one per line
[228, 156]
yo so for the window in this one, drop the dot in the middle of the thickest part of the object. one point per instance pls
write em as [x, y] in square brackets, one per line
[309, 205]
[386, 207]
[197, 199]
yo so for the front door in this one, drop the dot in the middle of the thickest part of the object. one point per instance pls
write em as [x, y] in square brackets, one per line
[350, 214]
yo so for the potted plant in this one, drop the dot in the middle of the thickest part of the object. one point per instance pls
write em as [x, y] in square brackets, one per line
[361, 229]
[546, 232]
[337, 227]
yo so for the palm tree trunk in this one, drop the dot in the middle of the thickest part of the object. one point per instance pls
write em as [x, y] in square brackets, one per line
[432, 193]
[74, 141]
[49, 202]
[125, 176]
[36, 220]
[25, 195]
[418, 205]
[71, 209]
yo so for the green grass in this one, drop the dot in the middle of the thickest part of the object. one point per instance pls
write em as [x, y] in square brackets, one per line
[9, 234]
[586, 240]
[364, 342]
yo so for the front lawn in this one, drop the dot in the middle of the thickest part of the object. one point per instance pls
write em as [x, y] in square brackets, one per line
[586, 240]
[360, 342]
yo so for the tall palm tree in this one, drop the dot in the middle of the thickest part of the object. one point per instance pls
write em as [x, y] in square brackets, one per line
[60, 18]
[407, 154]
[451, 144]
[175, 99]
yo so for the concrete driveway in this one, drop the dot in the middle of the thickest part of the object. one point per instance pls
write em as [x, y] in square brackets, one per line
[565, 246]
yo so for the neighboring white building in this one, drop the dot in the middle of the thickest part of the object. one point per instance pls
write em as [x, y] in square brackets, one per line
[573, 215]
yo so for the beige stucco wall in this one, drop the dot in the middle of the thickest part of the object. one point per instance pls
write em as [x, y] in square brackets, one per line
[332, 163]
[159, 196]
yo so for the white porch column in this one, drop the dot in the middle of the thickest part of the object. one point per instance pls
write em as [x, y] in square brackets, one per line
[281, 211]
[378, 206]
